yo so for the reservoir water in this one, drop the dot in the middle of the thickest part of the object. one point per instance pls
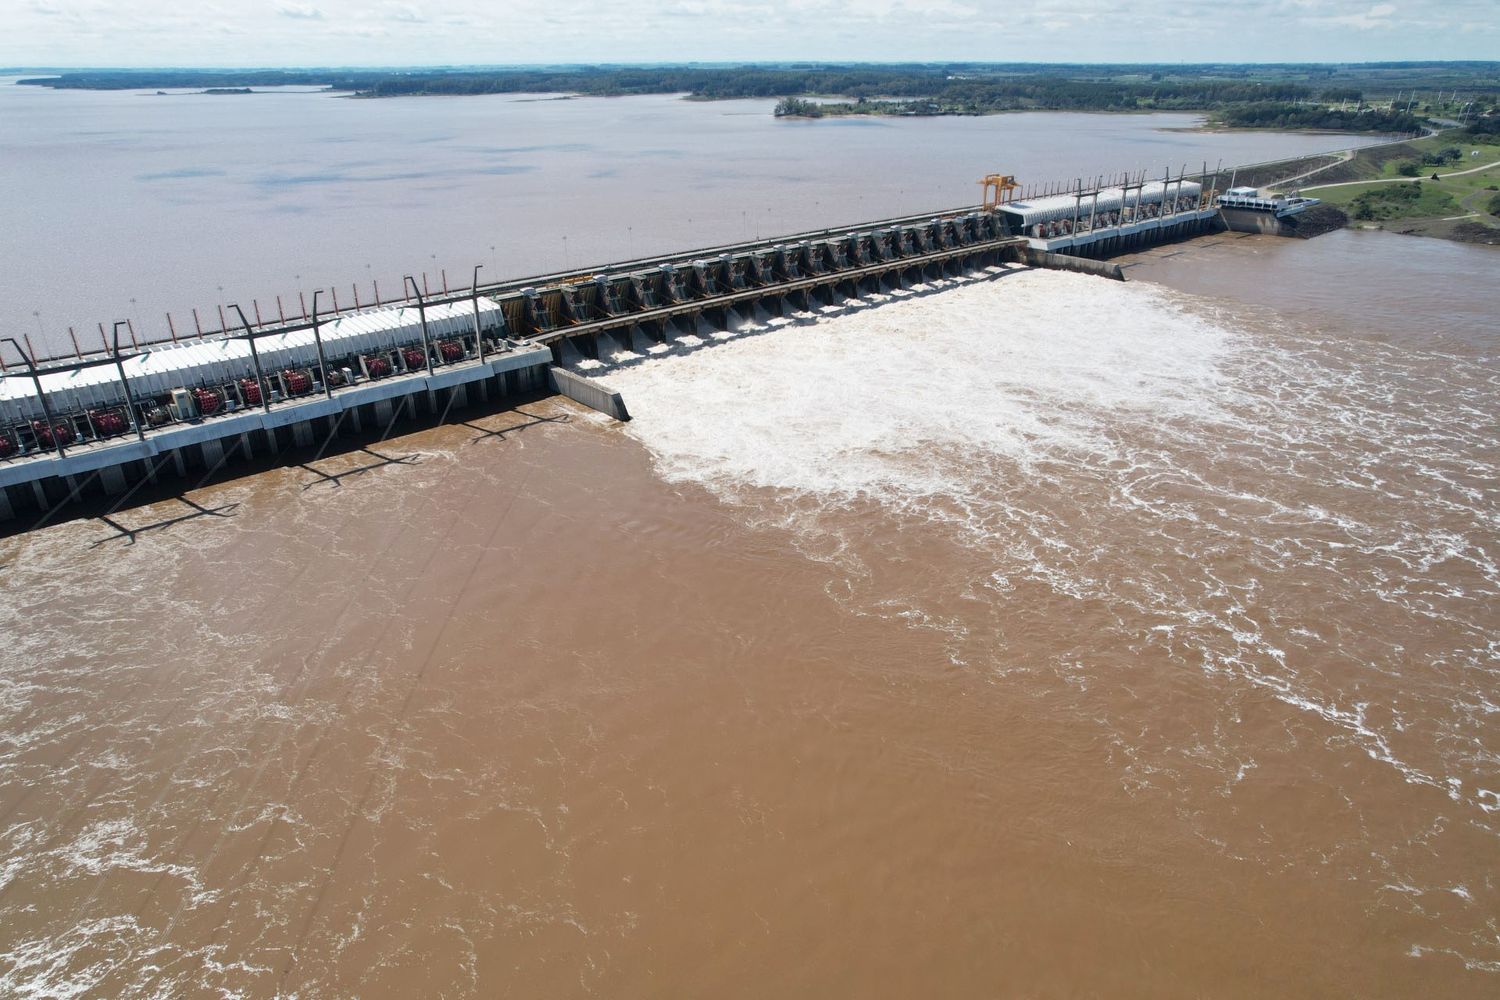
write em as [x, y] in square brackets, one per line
[133, 205]
[1038, 636]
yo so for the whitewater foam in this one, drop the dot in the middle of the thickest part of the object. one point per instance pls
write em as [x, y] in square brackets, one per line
[1067, 428]
[1031, 366]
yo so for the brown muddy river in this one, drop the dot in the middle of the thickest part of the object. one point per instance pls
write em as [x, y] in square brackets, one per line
[1034, 636]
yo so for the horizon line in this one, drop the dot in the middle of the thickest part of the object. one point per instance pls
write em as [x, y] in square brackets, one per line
[769, 62]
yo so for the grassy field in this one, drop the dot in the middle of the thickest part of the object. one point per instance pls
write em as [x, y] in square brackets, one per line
[1453, 207]
[1383, 202]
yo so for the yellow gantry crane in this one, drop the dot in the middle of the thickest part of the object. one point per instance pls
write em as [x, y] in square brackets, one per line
[998, 189]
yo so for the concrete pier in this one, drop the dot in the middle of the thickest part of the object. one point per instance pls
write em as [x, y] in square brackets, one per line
[591, 392]
[1080, 265]
[1239, 220]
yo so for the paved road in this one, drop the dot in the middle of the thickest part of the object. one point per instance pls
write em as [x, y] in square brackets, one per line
[1403, 180]
[1345, 155]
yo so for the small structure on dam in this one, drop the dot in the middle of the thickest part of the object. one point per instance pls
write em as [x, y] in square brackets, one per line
[1249, 210]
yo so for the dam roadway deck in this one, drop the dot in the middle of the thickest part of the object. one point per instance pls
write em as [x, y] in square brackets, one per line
[91, 431]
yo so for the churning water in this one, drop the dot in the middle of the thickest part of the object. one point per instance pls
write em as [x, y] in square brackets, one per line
[1164, 503]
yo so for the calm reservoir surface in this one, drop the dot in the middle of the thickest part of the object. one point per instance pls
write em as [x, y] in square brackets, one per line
[165, 200]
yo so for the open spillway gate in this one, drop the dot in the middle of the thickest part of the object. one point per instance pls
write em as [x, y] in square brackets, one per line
[95, 429]
[777, 278]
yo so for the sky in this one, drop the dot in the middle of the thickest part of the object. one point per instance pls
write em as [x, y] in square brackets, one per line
[127, 33]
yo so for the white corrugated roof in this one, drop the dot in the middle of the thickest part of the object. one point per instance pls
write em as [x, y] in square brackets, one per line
[163, 368]
[1063, 206]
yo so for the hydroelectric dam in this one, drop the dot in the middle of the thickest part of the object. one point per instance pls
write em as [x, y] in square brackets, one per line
[96, 428]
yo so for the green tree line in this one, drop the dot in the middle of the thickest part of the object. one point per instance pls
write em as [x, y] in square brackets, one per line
[1268, 96]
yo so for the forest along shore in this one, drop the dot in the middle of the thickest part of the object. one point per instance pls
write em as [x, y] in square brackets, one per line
[1364, 99]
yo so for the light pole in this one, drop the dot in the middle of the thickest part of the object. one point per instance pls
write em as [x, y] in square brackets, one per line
[422, 316]
[135, 418]
[36, 379]
[260, 382]
[318, 340]
[478, 334]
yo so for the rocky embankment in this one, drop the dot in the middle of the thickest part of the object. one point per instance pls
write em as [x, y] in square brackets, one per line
[1318, 220]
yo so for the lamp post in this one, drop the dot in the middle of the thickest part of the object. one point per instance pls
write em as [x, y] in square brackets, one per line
[260, 382]
[135, 418]
[422, 316]
[478, 334]
[41, 396]
[318, 340]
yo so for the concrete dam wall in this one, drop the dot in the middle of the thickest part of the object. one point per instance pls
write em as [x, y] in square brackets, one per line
[94, 429]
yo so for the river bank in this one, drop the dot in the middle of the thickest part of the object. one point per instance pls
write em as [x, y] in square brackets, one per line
[1443, 200]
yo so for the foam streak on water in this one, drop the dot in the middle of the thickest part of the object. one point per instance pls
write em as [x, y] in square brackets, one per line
[1232, 541]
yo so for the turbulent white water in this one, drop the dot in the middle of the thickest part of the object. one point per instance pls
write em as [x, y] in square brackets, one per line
[880, 399]
[1082, 478]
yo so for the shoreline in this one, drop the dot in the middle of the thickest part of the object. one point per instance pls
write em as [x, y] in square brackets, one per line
[1207, 126]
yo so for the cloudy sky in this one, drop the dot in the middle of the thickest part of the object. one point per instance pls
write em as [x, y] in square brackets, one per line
[446, 32]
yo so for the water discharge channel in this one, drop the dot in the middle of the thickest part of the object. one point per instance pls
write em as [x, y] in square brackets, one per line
[1046, 634]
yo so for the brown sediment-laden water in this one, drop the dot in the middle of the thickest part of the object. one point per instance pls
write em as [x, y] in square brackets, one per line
[1039, 636]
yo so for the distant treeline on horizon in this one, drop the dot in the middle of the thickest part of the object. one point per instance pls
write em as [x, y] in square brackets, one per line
[1258, 94]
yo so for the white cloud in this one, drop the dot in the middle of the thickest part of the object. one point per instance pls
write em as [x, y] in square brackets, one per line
[414, 32]
[409, 13]
[1377, 16]
[299, 12]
